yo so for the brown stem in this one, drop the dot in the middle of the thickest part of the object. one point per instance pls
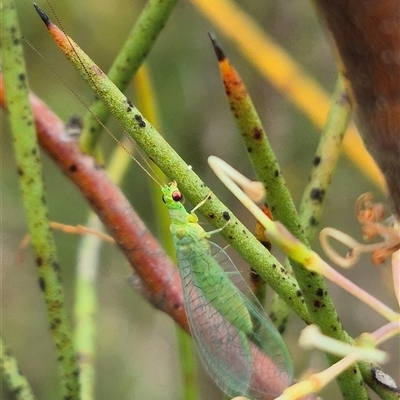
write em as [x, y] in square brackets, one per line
[160, 278]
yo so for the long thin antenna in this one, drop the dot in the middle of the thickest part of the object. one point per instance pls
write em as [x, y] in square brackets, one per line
[151, 174]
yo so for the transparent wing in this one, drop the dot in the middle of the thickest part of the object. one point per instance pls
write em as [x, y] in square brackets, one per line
[256, 363]
[268, 336]
[222, 348]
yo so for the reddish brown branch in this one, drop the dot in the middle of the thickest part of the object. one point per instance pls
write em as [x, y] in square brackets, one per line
[159, 276]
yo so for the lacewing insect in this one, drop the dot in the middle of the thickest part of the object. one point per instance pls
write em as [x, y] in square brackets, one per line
[229, 326]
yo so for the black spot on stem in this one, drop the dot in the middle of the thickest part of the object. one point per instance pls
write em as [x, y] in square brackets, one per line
[39, 261]
[316, 161]
[129, 103]
[140, 121]
[257, 133]
[317, 194]
[56, 266]
[312, 221]
[42, 284]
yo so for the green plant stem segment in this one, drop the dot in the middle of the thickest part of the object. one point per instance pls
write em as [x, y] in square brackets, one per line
[12, 375]
[176, 169]
[146, 100]
[259, 150]
[312, 285]
[34, 199]
[86, 304]
[278, 309]
[85, 308]
[325, 160]
[324, 163]
[187, 352]
[140, 40]
[147, 103]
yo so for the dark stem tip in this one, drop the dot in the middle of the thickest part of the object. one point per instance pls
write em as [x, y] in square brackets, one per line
[217, 48]
[42, 15]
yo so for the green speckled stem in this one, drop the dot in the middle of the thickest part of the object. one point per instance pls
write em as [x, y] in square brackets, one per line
[176, 169]
[12, 375]
[34, 199]
[313, 288]
[325, 160]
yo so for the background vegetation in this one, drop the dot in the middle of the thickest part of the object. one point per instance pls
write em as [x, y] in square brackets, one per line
[136, 344]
